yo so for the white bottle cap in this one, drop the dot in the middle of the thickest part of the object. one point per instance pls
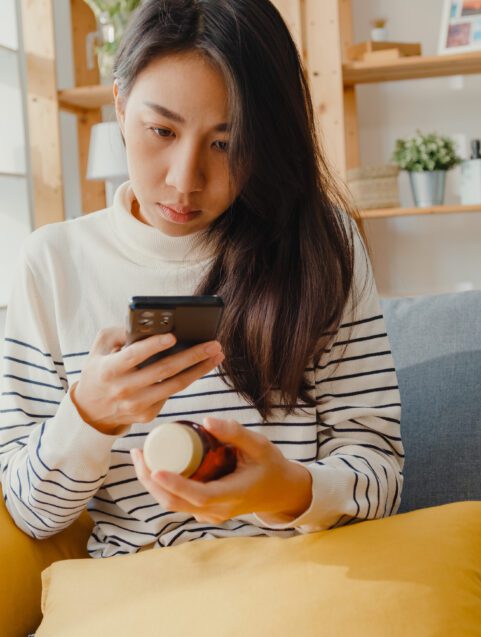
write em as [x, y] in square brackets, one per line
[174, 447]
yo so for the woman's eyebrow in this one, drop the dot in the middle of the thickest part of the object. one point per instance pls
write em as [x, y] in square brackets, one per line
[161, 110]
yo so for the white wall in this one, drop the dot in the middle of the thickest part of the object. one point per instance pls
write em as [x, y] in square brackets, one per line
[15, 221]
[12, 157]
[14, 227]
[8, 24]
[418, 255]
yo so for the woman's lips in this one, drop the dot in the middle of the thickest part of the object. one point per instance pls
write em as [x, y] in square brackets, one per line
[177, 217]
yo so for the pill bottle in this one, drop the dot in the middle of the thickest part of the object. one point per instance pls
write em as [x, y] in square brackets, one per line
[187, 448]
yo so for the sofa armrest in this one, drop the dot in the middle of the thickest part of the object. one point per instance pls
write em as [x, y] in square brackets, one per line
[22, 559]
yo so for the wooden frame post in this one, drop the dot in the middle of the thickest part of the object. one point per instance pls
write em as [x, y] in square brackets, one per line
[324, 66]
[351, 128]
[42, 111]
[83, 22]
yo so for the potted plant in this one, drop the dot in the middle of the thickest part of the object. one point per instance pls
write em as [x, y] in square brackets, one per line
[112, 17]
[426, 158]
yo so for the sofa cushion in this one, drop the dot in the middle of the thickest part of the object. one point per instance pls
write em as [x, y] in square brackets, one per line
[418, 573]
[436, 345]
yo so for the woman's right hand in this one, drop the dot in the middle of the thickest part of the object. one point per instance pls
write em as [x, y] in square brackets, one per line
[113, 392]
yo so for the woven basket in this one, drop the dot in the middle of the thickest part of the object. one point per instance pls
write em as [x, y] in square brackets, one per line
[374, 186]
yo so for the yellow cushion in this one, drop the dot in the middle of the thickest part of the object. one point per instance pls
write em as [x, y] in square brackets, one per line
[416, 574]
[22, 559]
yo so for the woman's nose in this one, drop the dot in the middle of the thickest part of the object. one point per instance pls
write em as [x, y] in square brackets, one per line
[185, 172]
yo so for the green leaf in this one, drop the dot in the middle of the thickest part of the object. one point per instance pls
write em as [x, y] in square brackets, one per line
[425, 152]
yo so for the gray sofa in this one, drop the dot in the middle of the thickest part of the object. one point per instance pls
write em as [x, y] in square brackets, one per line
[436, 344]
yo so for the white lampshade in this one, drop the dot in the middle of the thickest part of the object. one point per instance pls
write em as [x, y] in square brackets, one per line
[107, 159]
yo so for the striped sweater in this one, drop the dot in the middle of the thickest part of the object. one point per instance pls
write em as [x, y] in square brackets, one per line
[75, 277]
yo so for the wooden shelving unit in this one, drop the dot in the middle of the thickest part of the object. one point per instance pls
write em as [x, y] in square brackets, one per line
[345, 139]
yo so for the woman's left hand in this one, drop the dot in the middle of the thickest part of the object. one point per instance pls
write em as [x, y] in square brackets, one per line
[264, 482]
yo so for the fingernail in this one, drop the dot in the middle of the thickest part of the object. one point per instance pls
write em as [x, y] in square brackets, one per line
[167, 339]
[212, 348]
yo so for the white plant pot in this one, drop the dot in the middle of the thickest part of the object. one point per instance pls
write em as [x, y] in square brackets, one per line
[379, 34]
[428, 187]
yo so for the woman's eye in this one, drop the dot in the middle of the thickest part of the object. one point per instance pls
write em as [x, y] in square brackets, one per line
[222, 146]
[161, 132]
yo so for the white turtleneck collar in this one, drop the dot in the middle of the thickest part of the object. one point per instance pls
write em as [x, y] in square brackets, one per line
[148, 245]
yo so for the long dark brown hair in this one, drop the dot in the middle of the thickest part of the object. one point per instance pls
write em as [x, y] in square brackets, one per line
[284, 249]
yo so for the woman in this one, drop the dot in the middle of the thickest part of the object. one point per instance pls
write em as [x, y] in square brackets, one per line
[228, 195]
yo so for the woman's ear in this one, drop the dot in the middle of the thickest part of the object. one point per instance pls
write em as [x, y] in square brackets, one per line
[119, 107]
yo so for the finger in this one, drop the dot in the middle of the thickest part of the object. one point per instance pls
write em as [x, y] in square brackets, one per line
[109, 339]
[231, 432]
[140, 467]
[167, 499]
[174, 364]
[160, 392]
[199, 494]
[215, 501]
[128, 358]
[197, 498]
[146, 403]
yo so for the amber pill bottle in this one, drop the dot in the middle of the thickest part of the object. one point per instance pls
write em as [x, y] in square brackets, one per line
[187, 448]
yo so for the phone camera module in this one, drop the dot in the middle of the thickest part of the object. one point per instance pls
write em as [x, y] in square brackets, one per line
[166, 319]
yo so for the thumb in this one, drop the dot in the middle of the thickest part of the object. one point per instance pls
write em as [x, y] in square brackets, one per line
[233, 433]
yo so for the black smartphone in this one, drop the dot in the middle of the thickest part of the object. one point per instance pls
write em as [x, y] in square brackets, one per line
[192, 319]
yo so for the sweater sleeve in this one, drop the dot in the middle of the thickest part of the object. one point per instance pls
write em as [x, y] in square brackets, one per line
[358, 471]
[52, 462]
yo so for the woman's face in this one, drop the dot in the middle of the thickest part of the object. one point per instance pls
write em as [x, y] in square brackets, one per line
[176, 130]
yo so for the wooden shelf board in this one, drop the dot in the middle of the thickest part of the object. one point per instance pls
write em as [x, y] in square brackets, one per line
[411, 68]
[408, 212]
[86, 97]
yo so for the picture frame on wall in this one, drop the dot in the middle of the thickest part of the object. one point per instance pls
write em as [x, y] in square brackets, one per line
[460, 27]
